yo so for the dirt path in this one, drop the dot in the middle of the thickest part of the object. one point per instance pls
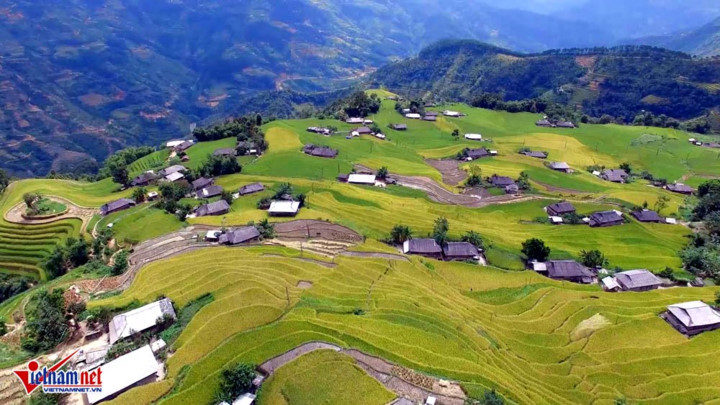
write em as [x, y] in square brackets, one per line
[15, 214]
[405, 383]
[554, 189]
[450, 169]
[375, 255]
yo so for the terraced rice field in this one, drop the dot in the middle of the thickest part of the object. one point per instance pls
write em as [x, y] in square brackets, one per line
[153, 161]
[535, 340]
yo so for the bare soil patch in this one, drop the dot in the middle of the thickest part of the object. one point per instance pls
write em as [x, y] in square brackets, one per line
[451, 173]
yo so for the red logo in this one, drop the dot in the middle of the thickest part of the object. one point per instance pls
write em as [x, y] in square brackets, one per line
[54, 380]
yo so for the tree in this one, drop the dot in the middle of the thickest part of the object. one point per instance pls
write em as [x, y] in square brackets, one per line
[77, 251]
[473, 181]
[440, 230]
[382, 173]
[400, 233]
[535, 249]
[56, 264]
[119, 173]
[121, 262]
[235, 381]
[4, 180]
[661, 203]
[46, 326]
[139, 194]
[227, 196]
[593, 258]
[523, 182]
[266, 229]
[456, 134]
[626, 166]
[474, 238]
[30, 199]
[712, 223]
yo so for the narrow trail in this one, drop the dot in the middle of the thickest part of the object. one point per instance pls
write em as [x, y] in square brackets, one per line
[405, 383]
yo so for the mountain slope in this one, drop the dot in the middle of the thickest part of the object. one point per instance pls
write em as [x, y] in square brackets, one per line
[704, 41]
[82, 78]
[618, 81]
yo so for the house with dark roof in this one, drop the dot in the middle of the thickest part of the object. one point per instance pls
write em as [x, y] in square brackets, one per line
[143, 179]
[224, 152]
[692, 318]
[460, 251]
[184, 146]
[501, 181]
[219, 207]
[320, 151]
[210, 192]
[202, 182]
[117, 205]
[239, 235]
[423, 247]
[476, 153]
[399, 127]
[251, 189]
[680, 188]
[614, 175]
[560, 167]
[512, 189]
[569, 270]
[637, 280]
[172, 170]
[559, 209]
[605, 219]
[429, 118]
[564, 124]
[363, 131]
[544, 123]
[431, 113]
[647, 216]
[535, 154]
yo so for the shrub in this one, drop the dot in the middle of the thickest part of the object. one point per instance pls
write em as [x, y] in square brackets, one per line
[234, 381]
[535, 249]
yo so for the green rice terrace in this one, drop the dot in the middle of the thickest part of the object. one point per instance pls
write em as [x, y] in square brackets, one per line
[532, 339]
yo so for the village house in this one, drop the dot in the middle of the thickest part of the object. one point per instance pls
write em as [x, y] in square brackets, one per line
[430, 118]
[413, 116]
[144, 179]
[219, 207]
[512, 189]
[210, 192]
[247, 148]
[244, 399]
[431, 113]
[139, 320]
[366, 179]
[251, 189]
[284, 208]
[534, 154]
[564, 124]
[399, 127]
[117, 205]
[239, 235]
[544, 123]
[565, 270]
[354, 120]
[173, 177]
[423, 247]
[181, 148]
[320, 151]
[560, 167]
[173, 143]
[202, 182]
[559, 209]
[152, 196]
[172, 170]
[692, 318]
[501, 181]
[637, 280]
[363, 131]
[476, 153]
[606, 218]
[646, 215]
[450, 113]
[343, 178]
[680, 188]
[224, 152]
[474, 137]
[134, 369]
[320, 130]
[460, 251]
[614, 175]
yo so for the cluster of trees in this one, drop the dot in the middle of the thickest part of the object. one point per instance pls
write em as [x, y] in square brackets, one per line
[115, 165]
[401, 233]
[702, 255]
[63, 258]
[46, 321]
[247, 130]
[11, 285]
[284, 191]
[234, 381]
[357, 104]
[489, 398]
[94, 256]
[170, 196]
[218, 166]
[535, 249]
[494, 101]
[416, 106]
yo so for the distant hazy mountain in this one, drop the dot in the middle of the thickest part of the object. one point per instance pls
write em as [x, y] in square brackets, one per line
[619, 81]
[704, 41]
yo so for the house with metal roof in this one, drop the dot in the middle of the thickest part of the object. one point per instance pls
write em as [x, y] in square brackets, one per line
[224, 152]
[637, 280]
[202, 182]
[560, 167]
[569, 270]
[139, 319]
[356, 178]
[117, 205]
[219, 207]
[210, 192]
[460, 251]
[605, 219]
[646, 215]
[614, 175]
[237, 236]
[501, 181]
[284, 208]
[427, 247]
[559, 209]
[474, 137]
[692, 318]
[134, 369]
[680, 188]
[251, 189]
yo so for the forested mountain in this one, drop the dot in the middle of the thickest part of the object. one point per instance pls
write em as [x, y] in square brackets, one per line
[703, 41]
[81, 78]
[620, 81]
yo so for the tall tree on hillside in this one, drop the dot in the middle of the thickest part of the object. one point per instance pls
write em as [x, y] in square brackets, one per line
[535, 249]
[119, 173]
[234, 381]
[593, 258]
[400, 233]
[440, 231]
[4, 180]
